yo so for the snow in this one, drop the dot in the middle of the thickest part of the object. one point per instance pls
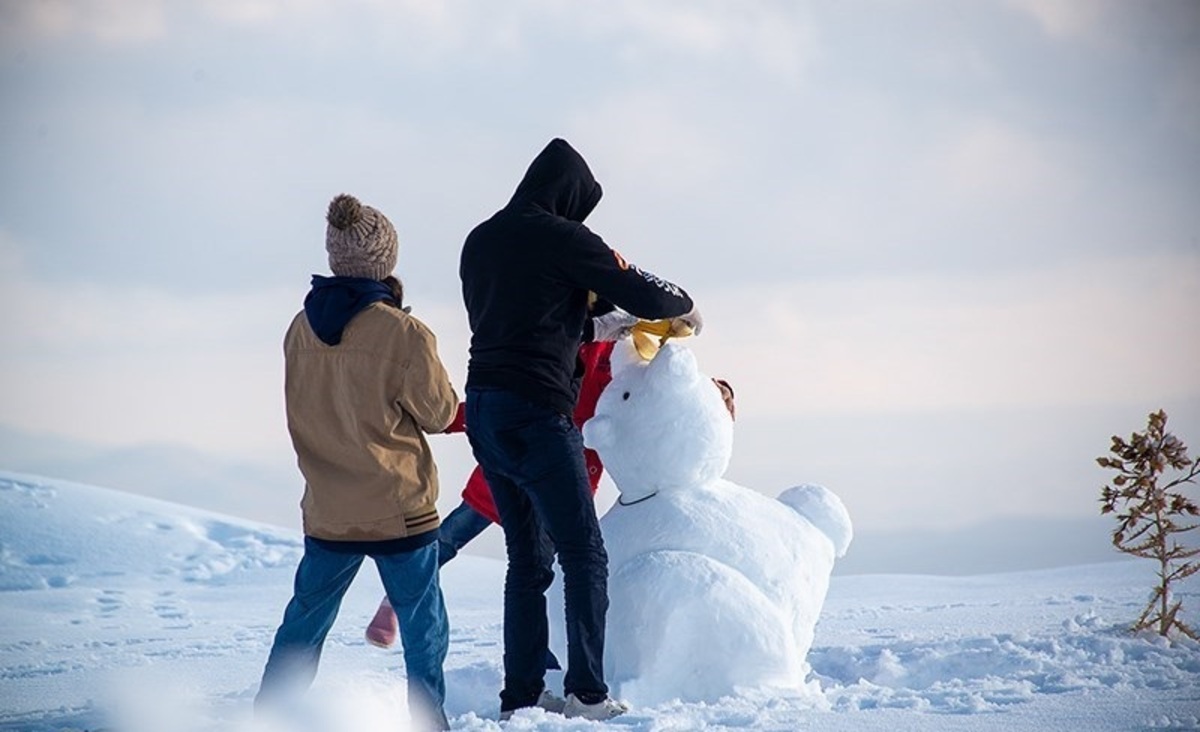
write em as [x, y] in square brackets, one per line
[139, 615]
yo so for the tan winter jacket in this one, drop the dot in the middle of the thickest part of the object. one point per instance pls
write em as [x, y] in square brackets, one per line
[358, 413]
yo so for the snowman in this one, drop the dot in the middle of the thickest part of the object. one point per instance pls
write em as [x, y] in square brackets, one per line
[714, 588]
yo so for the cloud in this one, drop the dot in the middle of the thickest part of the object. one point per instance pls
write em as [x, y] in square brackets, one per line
[1108, 332]
[777, 38]
[112, 22]
[92, 318]
[987, 162]
[120, 365]
[1113, 25]
[263, 13]
[651, 144]
[428, 29]
[1065, 19]
[417, 30]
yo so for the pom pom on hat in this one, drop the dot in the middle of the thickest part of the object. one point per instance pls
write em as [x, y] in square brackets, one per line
[360, 240]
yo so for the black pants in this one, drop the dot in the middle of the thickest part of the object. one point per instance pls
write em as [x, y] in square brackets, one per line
[532, 458]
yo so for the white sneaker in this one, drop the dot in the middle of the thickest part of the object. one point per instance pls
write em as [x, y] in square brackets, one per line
[607, 708]
[551, 702]
[548, 700]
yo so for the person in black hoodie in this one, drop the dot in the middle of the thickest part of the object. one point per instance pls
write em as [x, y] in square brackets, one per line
[526, 274]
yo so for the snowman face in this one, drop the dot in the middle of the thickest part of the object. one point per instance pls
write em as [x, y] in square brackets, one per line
[661, 424]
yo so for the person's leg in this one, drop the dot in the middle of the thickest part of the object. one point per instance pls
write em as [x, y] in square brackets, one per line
[554, 477]
[533, 459]
[381, 631]
[530, 573]
[321, 581]
[411, 581]
[458, 529]
[530, 554]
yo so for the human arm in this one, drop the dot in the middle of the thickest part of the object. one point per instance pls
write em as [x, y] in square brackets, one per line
[426, 392]
[459, 423]
[611, 326]
[589, 263]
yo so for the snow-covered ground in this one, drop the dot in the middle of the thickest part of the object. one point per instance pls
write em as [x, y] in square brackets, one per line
[122, 612]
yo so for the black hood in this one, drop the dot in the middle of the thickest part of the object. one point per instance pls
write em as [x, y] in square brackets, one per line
[559, 182]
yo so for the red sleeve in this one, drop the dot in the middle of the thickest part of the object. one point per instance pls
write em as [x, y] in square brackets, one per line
[459, 424]
[596, 358]
[478, 496]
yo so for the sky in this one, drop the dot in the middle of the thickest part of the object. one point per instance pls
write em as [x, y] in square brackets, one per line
[943, 250]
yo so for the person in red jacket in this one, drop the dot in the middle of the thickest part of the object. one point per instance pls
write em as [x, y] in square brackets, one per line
[477, 510]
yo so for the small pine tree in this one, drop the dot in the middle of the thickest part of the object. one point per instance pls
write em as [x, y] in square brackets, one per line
[1151, 516]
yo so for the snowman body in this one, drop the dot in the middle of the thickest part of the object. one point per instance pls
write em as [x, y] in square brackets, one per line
[714, 588]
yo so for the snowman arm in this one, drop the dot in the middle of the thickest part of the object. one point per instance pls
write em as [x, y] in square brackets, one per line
[823, 509]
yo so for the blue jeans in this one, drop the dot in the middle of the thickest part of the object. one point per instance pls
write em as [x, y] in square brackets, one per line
[532, 458]
[411, 581]
[458, 529]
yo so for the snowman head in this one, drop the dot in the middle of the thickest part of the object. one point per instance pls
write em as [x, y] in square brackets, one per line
[660, 424]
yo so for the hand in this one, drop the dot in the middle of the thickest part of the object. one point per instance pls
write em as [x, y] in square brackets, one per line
[612, 326]
[692, 320]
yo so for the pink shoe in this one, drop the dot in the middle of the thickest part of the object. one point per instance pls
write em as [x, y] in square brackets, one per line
[382, 629]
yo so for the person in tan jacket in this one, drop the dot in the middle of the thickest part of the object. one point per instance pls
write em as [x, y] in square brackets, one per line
[363, 386]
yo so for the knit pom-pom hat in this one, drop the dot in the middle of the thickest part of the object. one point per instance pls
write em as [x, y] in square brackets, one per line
[360, 240]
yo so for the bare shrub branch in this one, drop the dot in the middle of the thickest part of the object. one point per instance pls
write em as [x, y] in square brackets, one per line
[1150, 516]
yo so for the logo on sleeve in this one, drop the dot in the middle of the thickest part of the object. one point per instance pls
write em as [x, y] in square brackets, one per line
[620, 260]
[657, 281]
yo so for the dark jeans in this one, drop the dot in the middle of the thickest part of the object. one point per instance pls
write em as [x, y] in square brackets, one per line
[532, 458]
[458, 529]
[411, 582]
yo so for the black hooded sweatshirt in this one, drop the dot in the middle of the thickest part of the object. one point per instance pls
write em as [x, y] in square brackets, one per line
[526, 273]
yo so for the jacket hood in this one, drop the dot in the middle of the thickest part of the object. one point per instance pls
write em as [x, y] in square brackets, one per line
[334, 301]
[559, 182]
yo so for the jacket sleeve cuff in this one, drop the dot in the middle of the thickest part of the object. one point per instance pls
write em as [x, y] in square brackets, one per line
[459, 423]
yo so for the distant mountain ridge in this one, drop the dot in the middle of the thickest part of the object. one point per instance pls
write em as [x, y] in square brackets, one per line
[257, 490]
[1002, 545]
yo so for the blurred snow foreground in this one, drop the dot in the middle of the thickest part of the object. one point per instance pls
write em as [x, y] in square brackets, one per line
[715, 589]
